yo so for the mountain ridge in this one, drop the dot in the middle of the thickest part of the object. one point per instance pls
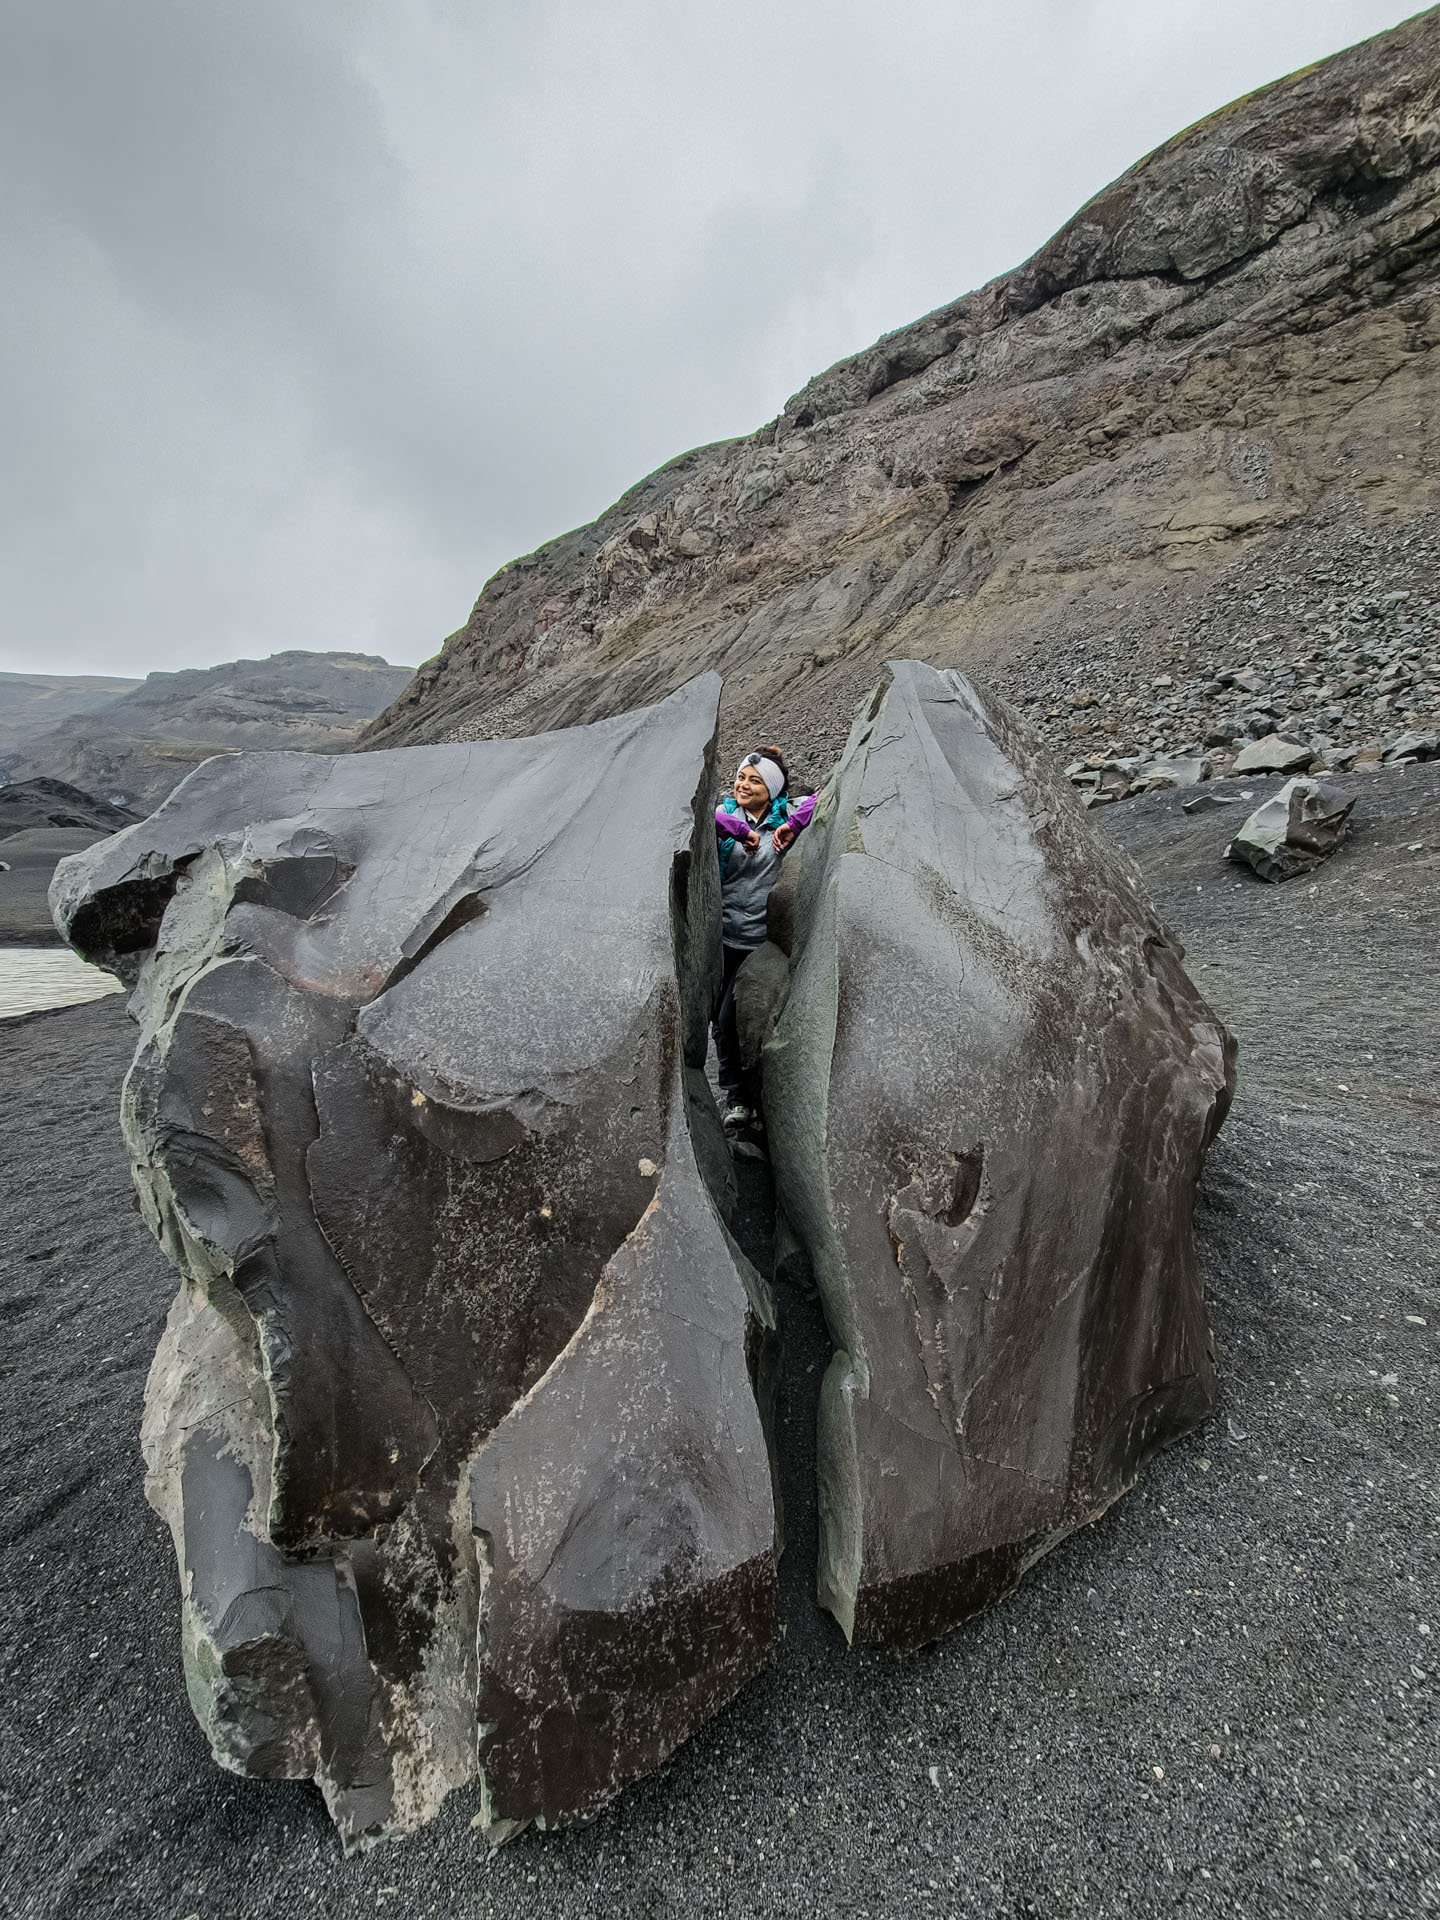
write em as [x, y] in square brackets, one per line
[1233, 337]
[140, 744]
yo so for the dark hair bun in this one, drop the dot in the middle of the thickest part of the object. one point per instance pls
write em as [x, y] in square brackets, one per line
[774, 753]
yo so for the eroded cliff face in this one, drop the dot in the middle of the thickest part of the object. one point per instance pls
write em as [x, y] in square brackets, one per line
[1233, 337]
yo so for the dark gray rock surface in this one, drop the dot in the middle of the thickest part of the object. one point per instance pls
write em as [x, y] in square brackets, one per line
[990, 1091]
[454, 1418]
[1248, 1620]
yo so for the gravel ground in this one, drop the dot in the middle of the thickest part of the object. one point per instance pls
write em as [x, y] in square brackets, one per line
[1219, 1700]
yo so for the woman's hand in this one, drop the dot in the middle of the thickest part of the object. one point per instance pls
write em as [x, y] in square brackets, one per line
[784, 835]
[752, 839]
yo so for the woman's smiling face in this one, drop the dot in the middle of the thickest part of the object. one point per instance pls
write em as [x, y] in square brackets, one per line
[751, 791]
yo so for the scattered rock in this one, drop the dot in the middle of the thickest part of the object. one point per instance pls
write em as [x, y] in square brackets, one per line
[1292, 832]
[1272, 755]
[989, 1100]
[1413, 746]
[1207, 802]
[454, 1419]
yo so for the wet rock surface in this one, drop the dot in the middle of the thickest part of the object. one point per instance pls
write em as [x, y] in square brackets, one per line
[454, 1417]
[1248, 1620]
[990, 1091]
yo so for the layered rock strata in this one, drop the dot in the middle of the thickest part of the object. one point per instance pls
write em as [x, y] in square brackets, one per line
[989, 1090]
[454, 1419]
[1233, 344]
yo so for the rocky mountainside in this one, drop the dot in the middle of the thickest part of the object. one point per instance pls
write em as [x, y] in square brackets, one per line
[136, 749]
[1202, 413]
[32, 703]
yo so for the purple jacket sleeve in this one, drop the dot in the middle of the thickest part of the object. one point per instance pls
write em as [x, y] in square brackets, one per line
[735, 824]
[799, 815]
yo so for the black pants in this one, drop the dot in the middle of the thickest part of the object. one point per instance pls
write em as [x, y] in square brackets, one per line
[733, 1078]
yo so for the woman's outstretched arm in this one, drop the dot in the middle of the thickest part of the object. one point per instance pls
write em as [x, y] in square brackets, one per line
[736, 826]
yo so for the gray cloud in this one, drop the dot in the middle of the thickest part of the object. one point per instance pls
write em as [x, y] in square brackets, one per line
[316, 315]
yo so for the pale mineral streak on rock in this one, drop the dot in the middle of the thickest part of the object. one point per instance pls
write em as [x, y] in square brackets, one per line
[990, 1088]
[418, 1111]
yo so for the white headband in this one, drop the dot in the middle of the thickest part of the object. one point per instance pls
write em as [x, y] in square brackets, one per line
[768, 771]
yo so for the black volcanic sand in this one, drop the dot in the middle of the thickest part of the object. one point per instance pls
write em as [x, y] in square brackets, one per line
[1219, 1700]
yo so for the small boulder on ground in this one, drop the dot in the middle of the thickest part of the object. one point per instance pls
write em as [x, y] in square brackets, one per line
[1273, 755]
[1292, 832]
[1170, 770]
[1412, 746]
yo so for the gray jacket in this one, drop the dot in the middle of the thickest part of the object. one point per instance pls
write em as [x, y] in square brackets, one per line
[744, 889]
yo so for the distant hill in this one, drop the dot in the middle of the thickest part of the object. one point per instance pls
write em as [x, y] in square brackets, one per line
[32, 703]
[40, 822]
[54, 803]
[135, 747]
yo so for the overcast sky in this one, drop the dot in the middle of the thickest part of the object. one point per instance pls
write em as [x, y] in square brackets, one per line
[315, 312]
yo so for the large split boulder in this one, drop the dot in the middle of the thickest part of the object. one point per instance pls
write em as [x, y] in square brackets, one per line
[454, 1419]
[990, 1088]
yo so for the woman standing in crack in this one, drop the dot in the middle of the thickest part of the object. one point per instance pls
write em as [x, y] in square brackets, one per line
[754, 828]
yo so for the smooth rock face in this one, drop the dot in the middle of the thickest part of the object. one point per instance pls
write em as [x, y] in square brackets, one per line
[989, 1095]
[454, 1419]
[1292, 832]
